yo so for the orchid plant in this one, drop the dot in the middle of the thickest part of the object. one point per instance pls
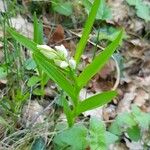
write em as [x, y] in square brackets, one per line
[62, 68]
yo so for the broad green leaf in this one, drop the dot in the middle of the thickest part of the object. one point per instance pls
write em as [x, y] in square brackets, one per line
[73, 138]
[39, 144]
[53, 72]
[63, 8]
[98, 62]
[134, 133]
[86, 31]
[97, 135]
[142, 9]
[95, 101]
[133, 2]
[38, 31]
[103, 13]
[142, 119]
[33, 81]
[111, 138]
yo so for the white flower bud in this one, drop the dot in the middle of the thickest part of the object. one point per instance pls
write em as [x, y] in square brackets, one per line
[61, 64]
[62, 51]
[47, 51]
[72, 63]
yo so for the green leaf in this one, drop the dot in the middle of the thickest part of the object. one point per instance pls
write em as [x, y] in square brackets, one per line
[33, 81]
[30, 64]
[111, 138]
[95, 101]
[67, 112]
[134, 133]
[53, 72]
[38, 30]
[86, 31]
[97, 139]
[38, 91]
[103, 13]
[73, 138]
[133, 2]
[98, 62]
[142, 9]
[63, 8]
[142, 119]
[39, 144]
[3, 73]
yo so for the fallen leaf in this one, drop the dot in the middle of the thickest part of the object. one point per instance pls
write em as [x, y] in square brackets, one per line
[141, 97]
[58, 35]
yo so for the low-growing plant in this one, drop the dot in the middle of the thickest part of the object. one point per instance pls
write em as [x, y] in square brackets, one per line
[134, 124]
[62, 68]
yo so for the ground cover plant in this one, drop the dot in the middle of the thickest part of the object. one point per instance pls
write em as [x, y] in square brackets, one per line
[32, 120]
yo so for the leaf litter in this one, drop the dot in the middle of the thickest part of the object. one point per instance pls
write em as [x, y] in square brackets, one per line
[134, 86]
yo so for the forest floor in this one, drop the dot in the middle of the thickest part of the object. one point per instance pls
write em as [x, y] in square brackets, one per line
[24, 106]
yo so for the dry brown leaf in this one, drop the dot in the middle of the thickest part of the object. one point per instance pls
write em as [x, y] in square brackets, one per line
[58, 35]
[141, 97]
[107, 69]
[109, 112]
[119, 10]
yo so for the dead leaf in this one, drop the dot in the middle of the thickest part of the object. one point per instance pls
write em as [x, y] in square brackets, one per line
[119, 10]
[107, 69]
[133, 145]
[141, 97]
[58, 35]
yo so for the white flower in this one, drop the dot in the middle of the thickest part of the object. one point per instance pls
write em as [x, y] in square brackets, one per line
[47, 51]
[61, 64]
[62, 51]
[72, 63]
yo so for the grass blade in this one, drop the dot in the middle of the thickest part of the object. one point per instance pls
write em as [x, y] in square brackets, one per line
[38, 30]
[95, 101]
[87, 29]
[98, 62]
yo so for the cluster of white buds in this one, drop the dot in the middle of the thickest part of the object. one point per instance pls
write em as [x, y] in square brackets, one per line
[59, 55]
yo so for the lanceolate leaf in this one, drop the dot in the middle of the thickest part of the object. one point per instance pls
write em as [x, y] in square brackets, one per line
[67, 112]
[98, 62]
[96, 101]
[87, 30]
[38, 30]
